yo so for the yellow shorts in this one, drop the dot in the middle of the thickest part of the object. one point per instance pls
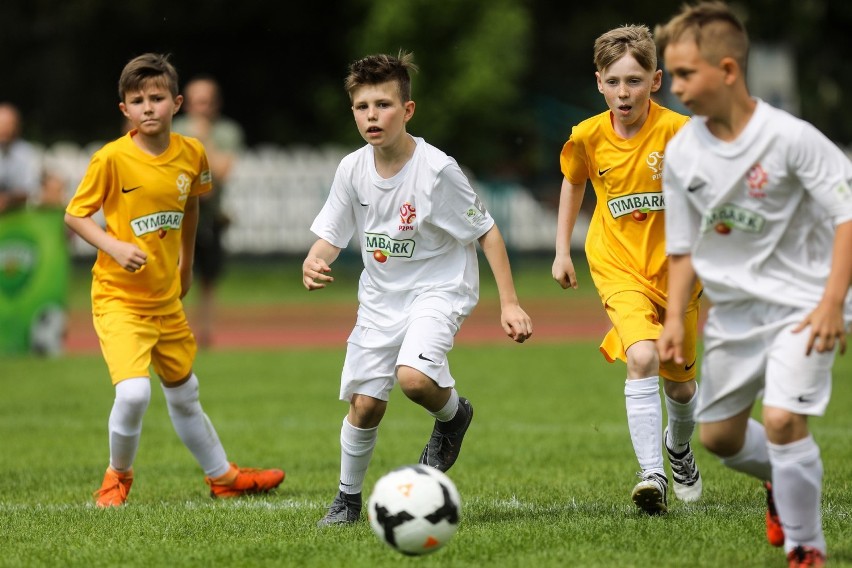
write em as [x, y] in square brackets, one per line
[131, 343]
[635, 317]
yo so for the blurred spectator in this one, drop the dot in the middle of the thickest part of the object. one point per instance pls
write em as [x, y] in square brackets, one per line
[223, 139]
[20, 163]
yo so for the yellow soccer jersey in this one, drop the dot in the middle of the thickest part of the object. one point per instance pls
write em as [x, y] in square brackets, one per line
[625, 244]
[143, 199]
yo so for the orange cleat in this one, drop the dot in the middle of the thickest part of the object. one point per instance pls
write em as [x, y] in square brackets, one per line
[774, 530]
[244, 481]
[802, 556]
[114, 489]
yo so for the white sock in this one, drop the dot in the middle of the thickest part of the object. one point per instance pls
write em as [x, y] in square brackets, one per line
[753, 458]
[681, 422]
[356, 450]
[194, 428]
[125, 421]
[797, 489]
[448, 412]
[645, 421]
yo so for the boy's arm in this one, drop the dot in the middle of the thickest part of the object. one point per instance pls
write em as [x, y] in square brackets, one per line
[826, 321]
[317, 265]
[570, 200]
[515, 321]
[681, 284]
[187, 243]
[127, 255]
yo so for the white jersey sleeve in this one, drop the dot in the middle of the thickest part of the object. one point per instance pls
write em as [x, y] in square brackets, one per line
[461, 213]
[336, 222]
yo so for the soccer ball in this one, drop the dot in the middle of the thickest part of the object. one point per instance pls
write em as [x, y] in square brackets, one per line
[414, 509]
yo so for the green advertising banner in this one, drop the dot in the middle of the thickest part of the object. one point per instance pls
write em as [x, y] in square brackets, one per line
[34, 273]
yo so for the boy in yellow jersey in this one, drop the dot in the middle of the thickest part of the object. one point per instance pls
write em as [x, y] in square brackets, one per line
[621, 151]
[147, 184]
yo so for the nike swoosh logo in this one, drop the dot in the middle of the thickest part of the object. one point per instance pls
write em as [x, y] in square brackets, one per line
[696, 187]
[688, 367]
[129, 189]
[425, 358]
[803, 400]
[602, 172]
[364, 204]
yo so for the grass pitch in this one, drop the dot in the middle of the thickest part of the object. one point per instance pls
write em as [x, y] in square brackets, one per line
[545, 475]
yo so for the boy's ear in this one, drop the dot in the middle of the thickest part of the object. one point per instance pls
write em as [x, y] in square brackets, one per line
[178, 103]
[599, 81]
[657, 81]
[409, 110]
[731, 69]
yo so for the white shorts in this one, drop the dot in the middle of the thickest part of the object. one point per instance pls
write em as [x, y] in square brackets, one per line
[373, 355]
[749, 348]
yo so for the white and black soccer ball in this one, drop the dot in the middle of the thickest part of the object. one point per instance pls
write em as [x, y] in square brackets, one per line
[415, 509]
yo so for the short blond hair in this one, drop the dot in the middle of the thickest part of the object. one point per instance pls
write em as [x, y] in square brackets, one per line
[633, 39]
[714, 28]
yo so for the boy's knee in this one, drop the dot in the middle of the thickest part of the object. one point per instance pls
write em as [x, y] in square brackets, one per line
[783, 426]
[643, 360]
[133, 395]
[416, 385]
[679, 392]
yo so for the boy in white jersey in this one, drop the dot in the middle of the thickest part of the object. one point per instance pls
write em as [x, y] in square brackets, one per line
[147, 184]
[621, 151]
[760, 209]
[417, 219]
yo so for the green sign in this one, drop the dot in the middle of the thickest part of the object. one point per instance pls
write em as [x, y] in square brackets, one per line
[34, 273]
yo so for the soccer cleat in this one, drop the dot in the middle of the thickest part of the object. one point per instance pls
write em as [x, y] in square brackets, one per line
[774, 530]
[244, 481]
[650, 493]
[805, 556]
[685, 474]
[114, 489]
[443, 448]
[344, 510]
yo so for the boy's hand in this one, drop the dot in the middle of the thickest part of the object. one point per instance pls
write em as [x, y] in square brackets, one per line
[827, 327]
[129, 256]
[563, 272]
[516, 323]
[670, 342]
[315, 273]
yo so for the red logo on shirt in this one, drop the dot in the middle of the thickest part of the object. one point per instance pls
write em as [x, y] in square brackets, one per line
[756, 178]
[407, 216]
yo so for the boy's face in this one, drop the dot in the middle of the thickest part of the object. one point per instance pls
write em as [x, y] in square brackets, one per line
[380, 114]
[151, 109]
[627, 88]
[695, 81]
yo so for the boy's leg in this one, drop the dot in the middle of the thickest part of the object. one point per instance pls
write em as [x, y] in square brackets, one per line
[125, 428]
[677, 435]
[356, 451]
[797, 386]
[797, 487]
[366, 382]
[125, 421]
[172, 357]
[645, 422]
[424, 376]
[126, 341]
[194, 428]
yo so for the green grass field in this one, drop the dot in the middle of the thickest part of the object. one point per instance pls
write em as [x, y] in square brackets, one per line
[545, 475]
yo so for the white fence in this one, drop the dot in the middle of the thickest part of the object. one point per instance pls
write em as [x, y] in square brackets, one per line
[275, 193]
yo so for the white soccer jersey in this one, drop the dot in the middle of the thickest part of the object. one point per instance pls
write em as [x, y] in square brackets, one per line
[417, 233]
[757, 214]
